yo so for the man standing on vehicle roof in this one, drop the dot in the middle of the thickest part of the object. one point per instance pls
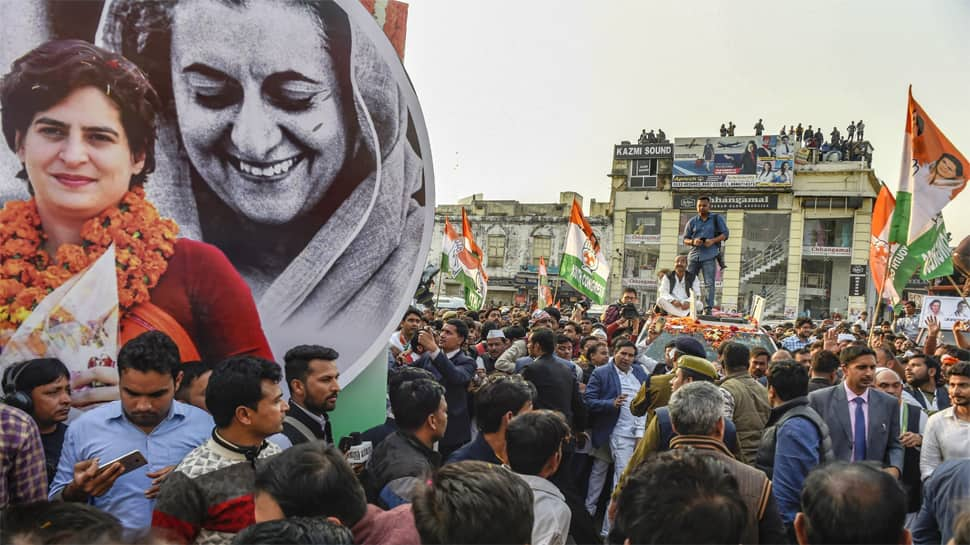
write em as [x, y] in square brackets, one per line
[704, 234]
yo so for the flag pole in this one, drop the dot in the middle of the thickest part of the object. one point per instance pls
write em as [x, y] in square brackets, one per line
[959, 291]
[437, 300]
[879, 298]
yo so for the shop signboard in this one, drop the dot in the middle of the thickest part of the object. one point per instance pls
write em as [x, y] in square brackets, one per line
[663, 150]
[648, 283]
[826, 251]
[857, 285]
[729, 202]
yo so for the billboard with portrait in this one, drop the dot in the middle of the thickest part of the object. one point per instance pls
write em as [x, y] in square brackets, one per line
[733, 162]
[291, 148]
[948, 310]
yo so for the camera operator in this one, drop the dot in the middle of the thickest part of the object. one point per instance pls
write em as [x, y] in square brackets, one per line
[629, 322]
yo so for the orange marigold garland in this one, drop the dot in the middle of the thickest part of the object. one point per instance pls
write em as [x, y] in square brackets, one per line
[144, 242]
[713, 334]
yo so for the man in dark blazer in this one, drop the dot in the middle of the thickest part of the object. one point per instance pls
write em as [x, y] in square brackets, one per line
[556, 385]
[604, 389]
[863, 422]
[557, 389]
[454, 370]
[611, 389]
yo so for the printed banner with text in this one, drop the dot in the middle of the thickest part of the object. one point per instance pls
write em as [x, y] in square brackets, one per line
[733, 162]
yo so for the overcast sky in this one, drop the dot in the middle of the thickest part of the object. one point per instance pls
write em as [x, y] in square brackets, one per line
[526, 98]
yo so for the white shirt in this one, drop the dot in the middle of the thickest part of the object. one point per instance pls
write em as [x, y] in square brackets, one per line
[551, 515]
[628, 425]
[947, 437]
[678, 291]
[397, 342]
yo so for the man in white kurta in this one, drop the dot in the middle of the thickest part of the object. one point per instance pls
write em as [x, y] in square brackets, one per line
[674, 293]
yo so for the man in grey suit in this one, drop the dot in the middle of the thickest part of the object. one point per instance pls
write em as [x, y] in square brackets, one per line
[863, 422]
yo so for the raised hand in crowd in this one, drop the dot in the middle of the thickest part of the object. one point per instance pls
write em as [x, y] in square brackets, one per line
[831, 341]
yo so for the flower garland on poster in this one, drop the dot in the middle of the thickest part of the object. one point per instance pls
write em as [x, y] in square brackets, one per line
[144, 243]
[713, 334]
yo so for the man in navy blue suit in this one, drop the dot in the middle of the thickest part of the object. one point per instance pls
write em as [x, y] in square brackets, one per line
[454, 370]
[609, 393]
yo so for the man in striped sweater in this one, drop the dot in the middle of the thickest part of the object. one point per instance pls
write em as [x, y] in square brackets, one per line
[208, 498]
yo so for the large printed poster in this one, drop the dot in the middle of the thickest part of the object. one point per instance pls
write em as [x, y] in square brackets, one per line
[291, 141]
[733, 162]
[947, 310]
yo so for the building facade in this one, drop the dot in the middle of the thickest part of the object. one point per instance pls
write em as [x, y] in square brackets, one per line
[513, 236]
[799, 228]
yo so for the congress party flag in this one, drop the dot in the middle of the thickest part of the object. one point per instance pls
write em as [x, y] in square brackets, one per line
[474, 295]
[584, 266]
[545, 293]
[463, 267]
[933, 173]
[880, 248]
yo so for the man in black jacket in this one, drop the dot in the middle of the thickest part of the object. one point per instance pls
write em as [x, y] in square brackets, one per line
[311, 373]
[454, 370]
[556, 385]
[406, 457]
[557, 389]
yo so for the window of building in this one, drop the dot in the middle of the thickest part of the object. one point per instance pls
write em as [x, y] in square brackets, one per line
[496, 251]
[828, 233]
[541, 247]
[764, 262]
[641, 263]
[643, 227]
[643, 174]
[824, 286]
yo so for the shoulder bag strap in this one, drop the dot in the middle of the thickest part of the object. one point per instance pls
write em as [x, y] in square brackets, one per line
[300, 427]
[149, 317]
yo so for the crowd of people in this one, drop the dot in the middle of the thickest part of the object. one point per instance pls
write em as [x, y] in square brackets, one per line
[561, 427]
[508, 425]
[659, 137]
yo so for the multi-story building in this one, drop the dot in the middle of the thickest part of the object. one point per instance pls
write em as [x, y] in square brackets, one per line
[514, 235]
[799, 229]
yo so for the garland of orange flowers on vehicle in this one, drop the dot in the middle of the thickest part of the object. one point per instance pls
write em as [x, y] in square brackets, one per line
[713, 334]
[144, 242]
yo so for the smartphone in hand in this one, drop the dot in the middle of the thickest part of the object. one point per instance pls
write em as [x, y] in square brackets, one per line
[130, 462]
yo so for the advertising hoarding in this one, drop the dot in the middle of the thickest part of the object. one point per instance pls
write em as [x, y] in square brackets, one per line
[733, 162]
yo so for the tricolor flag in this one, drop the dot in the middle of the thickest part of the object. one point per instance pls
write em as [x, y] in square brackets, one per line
[469, 238]
[880, 247]
[933, 174]
[545, 293]
[463, 267]
[584, 266]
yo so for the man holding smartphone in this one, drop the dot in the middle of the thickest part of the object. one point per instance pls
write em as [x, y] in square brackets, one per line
[147, 419]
